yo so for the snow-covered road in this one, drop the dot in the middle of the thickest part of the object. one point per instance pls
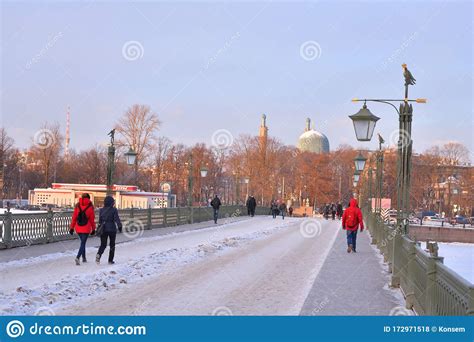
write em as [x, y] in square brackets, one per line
[256, 266]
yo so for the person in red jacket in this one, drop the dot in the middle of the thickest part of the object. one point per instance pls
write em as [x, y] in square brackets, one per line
[83, 222]
[351, 220]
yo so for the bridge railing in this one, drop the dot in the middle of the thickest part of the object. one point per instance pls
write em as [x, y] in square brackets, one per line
[429, 286]
[26, 229]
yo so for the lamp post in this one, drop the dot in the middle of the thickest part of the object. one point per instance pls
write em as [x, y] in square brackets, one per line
[110, 162]
[369, 185]
[130, 157]
[379, 180]
[364, 123]
[204, 171]
[190, 180]
[246, 181]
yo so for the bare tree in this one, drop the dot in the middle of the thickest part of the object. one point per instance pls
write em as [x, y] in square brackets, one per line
[454, 153]
[46, 150]
[6, 143]
[137, 128]
[160, 152]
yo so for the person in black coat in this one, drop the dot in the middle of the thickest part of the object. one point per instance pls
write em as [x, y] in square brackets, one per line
[110, 222]
[340, 210]
[252, 205]
[215, 204]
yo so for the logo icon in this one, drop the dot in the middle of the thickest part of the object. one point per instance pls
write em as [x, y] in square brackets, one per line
[15, 329]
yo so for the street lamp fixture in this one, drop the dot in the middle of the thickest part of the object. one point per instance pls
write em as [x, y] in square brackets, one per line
[364, 123]
[359, 162]
[354, 184]
[356, 176]
[246, 180]
[131, 156]
[204, 171]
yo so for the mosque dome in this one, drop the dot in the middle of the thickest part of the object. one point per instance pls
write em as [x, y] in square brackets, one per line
[312, 140]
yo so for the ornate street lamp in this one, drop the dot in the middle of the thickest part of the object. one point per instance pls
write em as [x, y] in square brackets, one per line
[359, 162]
[356, 176]
[364, 123]
[130, 156]
[246, 181]
[204, 171]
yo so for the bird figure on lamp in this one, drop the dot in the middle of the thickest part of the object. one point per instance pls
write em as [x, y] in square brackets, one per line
[409, 79]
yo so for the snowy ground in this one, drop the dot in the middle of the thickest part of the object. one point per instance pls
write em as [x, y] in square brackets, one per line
[459, 257]
[253, 266]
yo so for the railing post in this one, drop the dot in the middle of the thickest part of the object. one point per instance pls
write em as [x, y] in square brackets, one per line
[49, 225]
[165, 217]
[470, 308]
[410, 290]
[191, 215]
[7, 238]
[178, 216]
[148, 226]
[397, 249]
[430, 300]
[373, 228]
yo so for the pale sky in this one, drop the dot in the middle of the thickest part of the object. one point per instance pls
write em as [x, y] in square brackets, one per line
[219, 65]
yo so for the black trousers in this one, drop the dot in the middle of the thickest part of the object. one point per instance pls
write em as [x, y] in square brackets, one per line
[103, 244]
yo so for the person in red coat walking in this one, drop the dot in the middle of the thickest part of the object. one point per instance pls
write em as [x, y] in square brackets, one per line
[83, 222]
[351, 220]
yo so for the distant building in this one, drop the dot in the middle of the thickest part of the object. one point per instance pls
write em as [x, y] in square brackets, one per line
[312, 140]
[126, 196]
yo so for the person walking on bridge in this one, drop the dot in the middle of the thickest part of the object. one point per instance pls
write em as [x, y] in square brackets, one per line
[216, 204]
[351, 220]
[251, 205]
[109, 223]
[282, 209]
[83, 222]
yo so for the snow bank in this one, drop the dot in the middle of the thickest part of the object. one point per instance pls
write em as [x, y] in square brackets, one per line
[459, 257]
[70, 289]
